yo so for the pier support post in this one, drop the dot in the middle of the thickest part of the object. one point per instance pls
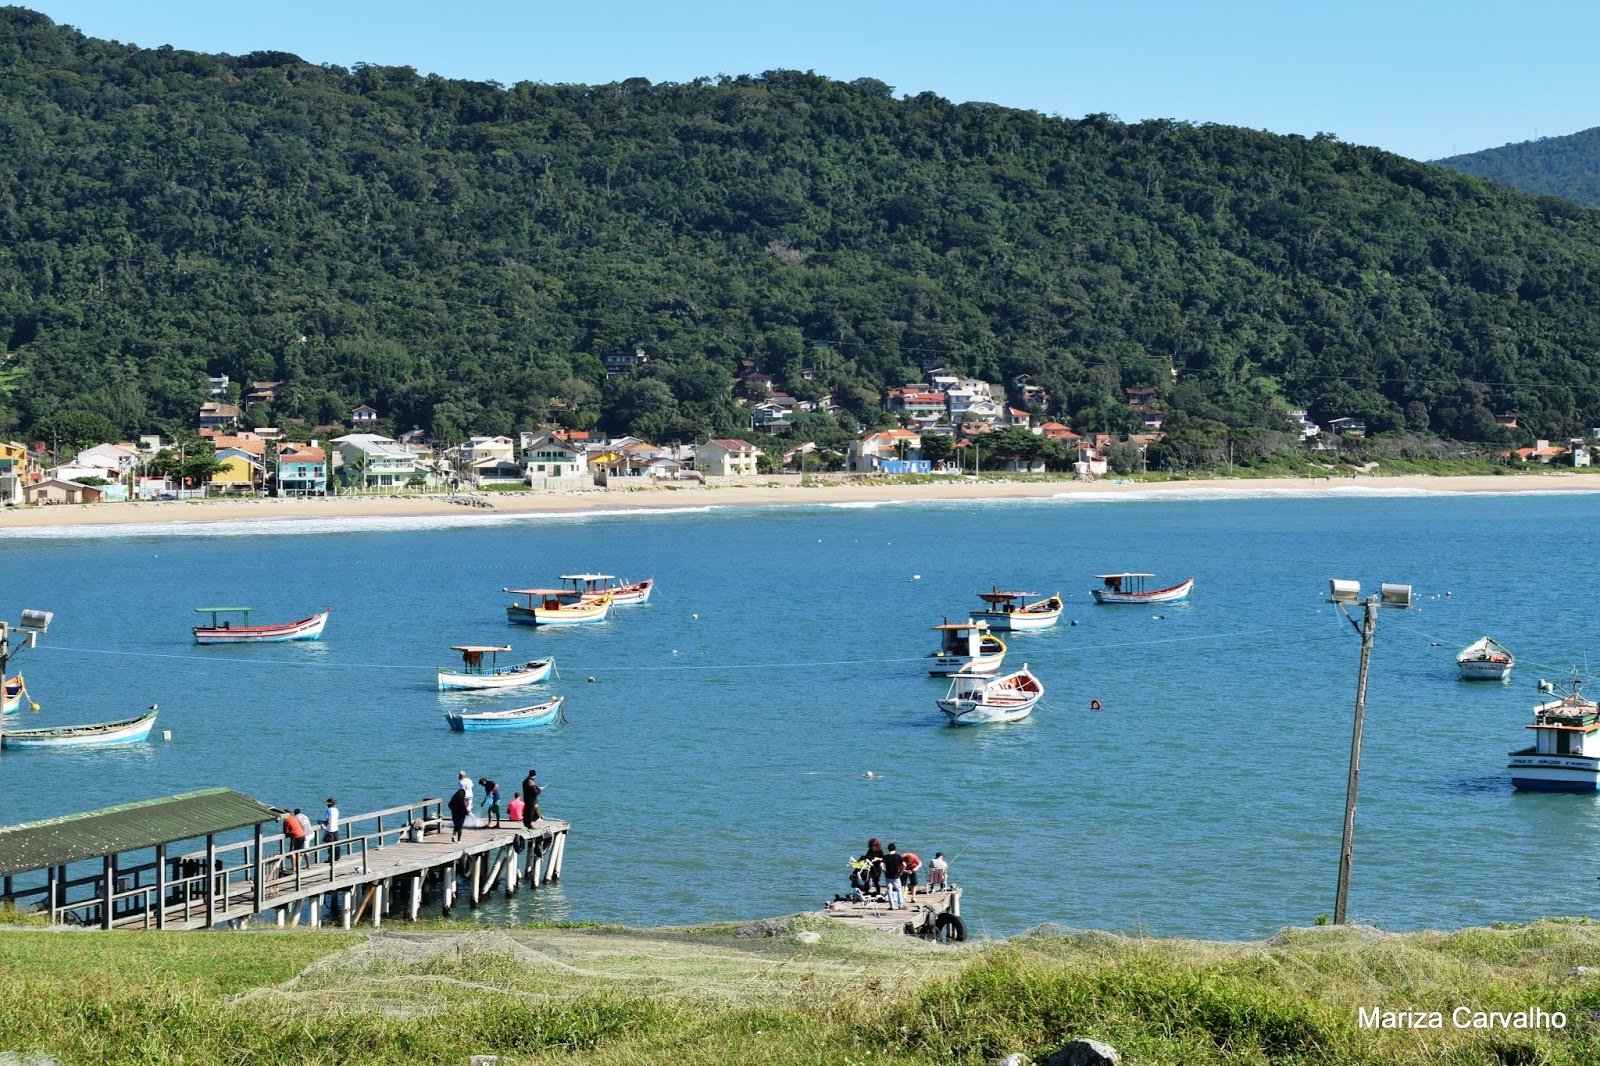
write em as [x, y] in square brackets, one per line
[315, 914]
[416, 896]
[345, 905]
[557, 854]
[377, 904]
[280, 914]
[161, 885]
[449, 888]
[259, 869]
[108, 888]
[477, 881]
[511, 871]
[210, 876]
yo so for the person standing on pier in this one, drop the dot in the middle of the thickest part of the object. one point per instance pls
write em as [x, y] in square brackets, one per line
[465, 784]
[491, 803]
[459, 806]
[892, 867]
[330, 827]
[295, 837]
[530, 799]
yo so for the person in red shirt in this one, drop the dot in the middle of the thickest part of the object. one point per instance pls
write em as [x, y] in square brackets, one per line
[909, 865]
[515, 808]
[295, 835]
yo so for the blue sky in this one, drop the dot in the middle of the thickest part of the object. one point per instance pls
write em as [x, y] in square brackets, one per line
[1424, 79]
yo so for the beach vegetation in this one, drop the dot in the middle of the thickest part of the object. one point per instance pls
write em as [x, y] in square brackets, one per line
[792, 991]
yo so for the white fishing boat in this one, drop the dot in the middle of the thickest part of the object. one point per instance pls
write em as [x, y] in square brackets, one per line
[475, 675]
[126, 731]
[1131, 588]
[1009, 611]
[1485, 660]
[627, 594]
[557, 607]
[966, 647]
[976, 700]
[13, 690]
[540, 714]
[223, 631]
[1565, 756]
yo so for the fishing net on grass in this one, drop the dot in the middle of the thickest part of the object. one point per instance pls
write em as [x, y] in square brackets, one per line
[421, 972]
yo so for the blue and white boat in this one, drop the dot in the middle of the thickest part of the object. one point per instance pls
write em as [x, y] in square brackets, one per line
[127, 731]
[1565, 756]
[540, 714]
[557, 607]
[474, 677]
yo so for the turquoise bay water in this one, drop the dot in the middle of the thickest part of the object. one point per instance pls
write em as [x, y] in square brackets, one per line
[716, 767]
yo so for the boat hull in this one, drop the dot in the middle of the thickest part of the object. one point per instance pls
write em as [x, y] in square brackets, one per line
[971, 712]
[1532, 772]
[1484, 671]
[632, 595]
[128, 731]
[1024, 619]
[511, 677]
[305, 629]
[542, 714]
[577, 615]
[1174, 594]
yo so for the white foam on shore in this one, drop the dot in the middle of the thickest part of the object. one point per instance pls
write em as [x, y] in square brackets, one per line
[1235, 492]
[267, 526]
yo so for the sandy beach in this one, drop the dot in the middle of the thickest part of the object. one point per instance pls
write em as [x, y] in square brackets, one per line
[759, 495]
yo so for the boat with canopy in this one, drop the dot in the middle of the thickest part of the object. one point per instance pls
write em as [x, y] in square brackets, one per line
[475, 675]
[966, 647]
[1565, 756]
[1008, 611]
[627, 594]
[556, 607]
[223, 631]
[1132, 588]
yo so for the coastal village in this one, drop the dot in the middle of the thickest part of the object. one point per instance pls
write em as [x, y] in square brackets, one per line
[356, 457]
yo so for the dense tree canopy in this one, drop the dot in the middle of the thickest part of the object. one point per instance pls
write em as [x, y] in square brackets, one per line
[1568, 167]
[462, 255]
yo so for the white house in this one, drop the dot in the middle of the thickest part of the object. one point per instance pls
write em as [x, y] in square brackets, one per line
[547, 457]
[368, 461]
[726, 458]
[872, 450]
[488, 460]
[364, 415]
[119, 458]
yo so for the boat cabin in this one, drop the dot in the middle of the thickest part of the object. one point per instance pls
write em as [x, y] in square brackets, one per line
[1004, 602]
[549, 599]
[1566, 727]
[1129, 583]
[472, 656]
[586, 585]
[225, 623]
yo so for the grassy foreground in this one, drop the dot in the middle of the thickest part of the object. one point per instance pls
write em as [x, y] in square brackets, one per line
[774, 992]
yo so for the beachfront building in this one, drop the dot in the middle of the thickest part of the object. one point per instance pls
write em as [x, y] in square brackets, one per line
[302, 470]
[17, 468]
[119, 459]
[486, 461]
[60, 490]
[726, 458]
[238, 472]
[914, 402]
[368, 463]
[870, 452]
[549, 461]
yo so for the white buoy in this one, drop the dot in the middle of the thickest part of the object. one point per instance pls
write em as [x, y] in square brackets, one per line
[916, 577]
[166, 734]
[695, 616]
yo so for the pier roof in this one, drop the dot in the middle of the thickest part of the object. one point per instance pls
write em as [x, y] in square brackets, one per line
[129, 827]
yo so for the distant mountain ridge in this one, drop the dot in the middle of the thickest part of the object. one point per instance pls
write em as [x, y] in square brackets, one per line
[1568, 167]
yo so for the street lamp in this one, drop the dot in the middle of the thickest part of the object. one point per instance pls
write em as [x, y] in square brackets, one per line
[1344, 594]
[32, 625]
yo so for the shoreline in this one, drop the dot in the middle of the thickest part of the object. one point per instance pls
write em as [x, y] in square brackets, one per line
[602, 501]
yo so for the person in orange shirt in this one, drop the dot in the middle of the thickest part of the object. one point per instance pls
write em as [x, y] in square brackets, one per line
[294, 834]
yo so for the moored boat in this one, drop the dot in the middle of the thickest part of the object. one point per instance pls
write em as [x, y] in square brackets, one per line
[627, 594]
[516, 718]
[473, 674]
[556, 607]
[1565, 756]
[1130, 588]
[966, 647]
[977, 700]
[1485, 660]
[14, 690]
[223, 631]
[126, 731]
[1008, 611]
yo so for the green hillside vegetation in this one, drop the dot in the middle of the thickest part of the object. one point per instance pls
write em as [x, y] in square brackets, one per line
[1568, 167]
[763, 995]
[461, 255]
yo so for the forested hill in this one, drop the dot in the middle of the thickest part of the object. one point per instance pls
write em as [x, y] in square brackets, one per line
[1568, 167]
[460, 254]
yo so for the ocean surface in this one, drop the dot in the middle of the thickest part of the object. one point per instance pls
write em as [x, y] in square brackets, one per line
[717, 765]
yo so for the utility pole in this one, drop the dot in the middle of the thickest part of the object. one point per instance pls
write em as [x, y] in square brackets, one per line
[1369, 625]
[1347, 594]
[33, 624]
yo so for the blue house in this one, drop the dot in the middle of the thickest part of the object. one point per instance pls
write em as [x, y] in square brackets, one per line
[302, 470]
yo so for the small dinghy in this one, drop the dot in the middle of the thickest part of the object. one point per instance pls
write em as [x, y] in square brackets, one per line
[127, 731]
[1485, 660]
[539, 714]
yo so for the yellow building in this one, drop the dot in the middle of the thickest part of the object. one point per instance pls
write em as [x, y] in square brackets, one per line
[239, 472]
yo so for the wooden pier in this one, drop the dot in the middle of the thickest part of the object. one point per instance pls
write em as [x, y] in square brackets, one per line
[388, 863]
[933, 913]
